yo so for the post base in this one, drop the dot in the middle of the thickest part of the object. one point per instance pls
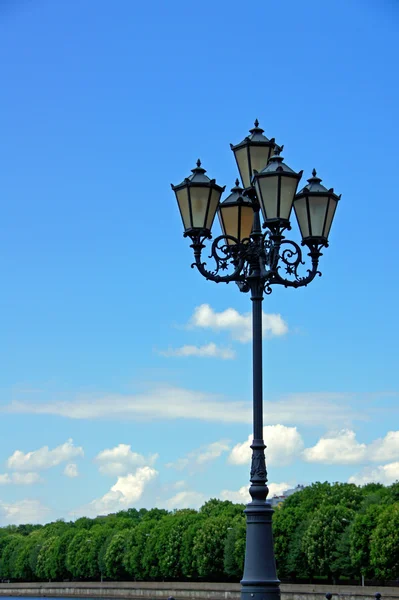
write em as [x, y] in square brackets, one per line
[260, 592]
[260, 581]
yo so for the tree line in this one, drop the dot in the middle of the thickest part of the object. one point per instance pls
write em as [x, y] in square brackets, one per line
[327, 530]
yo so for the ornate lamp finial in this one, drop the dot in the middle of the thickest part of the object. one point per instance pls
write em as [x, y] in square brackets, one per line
[198, 163]
[314, 172]
[256, 123]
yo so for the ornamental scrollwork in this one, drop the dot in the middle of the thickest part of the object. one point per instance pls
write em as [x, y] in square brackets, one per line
[258, 466]
[268, 257]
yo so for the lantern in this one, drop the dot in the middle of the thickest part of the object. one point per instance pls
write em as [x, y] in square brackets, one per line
[252, 153]
[236, 214]
[315, 207]
[198, 199]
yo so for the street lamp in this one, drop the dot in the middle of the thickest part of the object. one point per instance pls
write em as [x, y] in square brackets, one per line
[256, 261]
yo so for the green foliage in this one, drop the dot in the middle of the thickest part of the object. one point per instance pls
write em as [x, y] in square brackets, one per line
[360, 533]
[60, 569]
[165, 547]
[9, 555]
[136, 540]
[45, 565]
[321, 537]
[115, 554]
[329, 530]
[234, 548]
[216, 508]
[208, 547]
[77, 559]
[384, 547]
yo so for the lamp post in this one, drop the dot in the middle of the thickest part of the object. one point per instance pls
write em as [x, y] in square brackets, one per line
[256, 261]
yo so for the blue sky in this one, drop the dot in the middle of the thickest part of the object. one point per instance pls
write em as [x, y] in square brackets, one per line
[102, 106]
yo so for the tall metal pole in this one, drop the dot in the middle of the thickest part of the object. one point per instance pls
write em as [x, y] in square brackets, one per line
[260, 580]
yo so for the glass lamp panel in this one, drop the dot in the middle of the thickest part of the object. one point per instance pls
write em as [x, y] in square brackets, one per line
[330, 215]
[266, 189]
[228, 217]
[247, 220]
[213, 205]
[301, 212]
[317, 214]
[242, 162]
[199, 203]
[259, 157]
[287, 193]
[182, 200]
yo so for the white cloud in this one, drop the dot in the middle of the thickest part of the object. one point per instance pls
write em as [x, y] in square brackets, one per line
[385, 474]
[184, 499]
[242, 495]
[71, 470]
[43, 458]
[283, 444]
[24, 511]
[178, 485]
[339, 448]
[19, 478]
[238, 325]
[126, 491]
[179, 464]
[212, 451]
[121, 460]
[201, 456]
[210, 350]
[386, 448]
[278, 489]
[168, 402]
[343, 448]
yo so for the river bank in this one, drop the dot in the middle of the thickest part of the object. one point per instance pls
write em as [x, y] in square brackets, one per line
[185, 591]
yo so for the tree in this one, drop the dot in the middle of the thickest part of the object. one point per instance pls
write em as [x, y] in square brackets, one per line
[285, 523]
[169, 546]
[23, 568]
[321, 537]
[297, 564]
[217, 508]
[341, 560]
[9, 554]
[360, 533]
[234, 548]
[188, 557]
[384, 547]
[136, 540]
[208, 547]
[45, 565]
[114, 558]
[77, 560]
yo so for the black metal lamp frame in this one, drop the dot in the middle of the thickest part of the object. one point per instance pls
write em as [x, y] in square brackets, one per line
[255, 265]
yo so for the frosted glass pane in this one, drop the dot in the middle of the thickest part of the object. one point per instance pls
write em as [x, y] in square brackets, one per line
[330, 215]
[317, 210]
[247, 219]
[242, 162]
[228, 217]
[302, 216]
[182, 199]
[288, 189]
[266, 189]
[259, 157]
[212, 208]
[199, 203]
